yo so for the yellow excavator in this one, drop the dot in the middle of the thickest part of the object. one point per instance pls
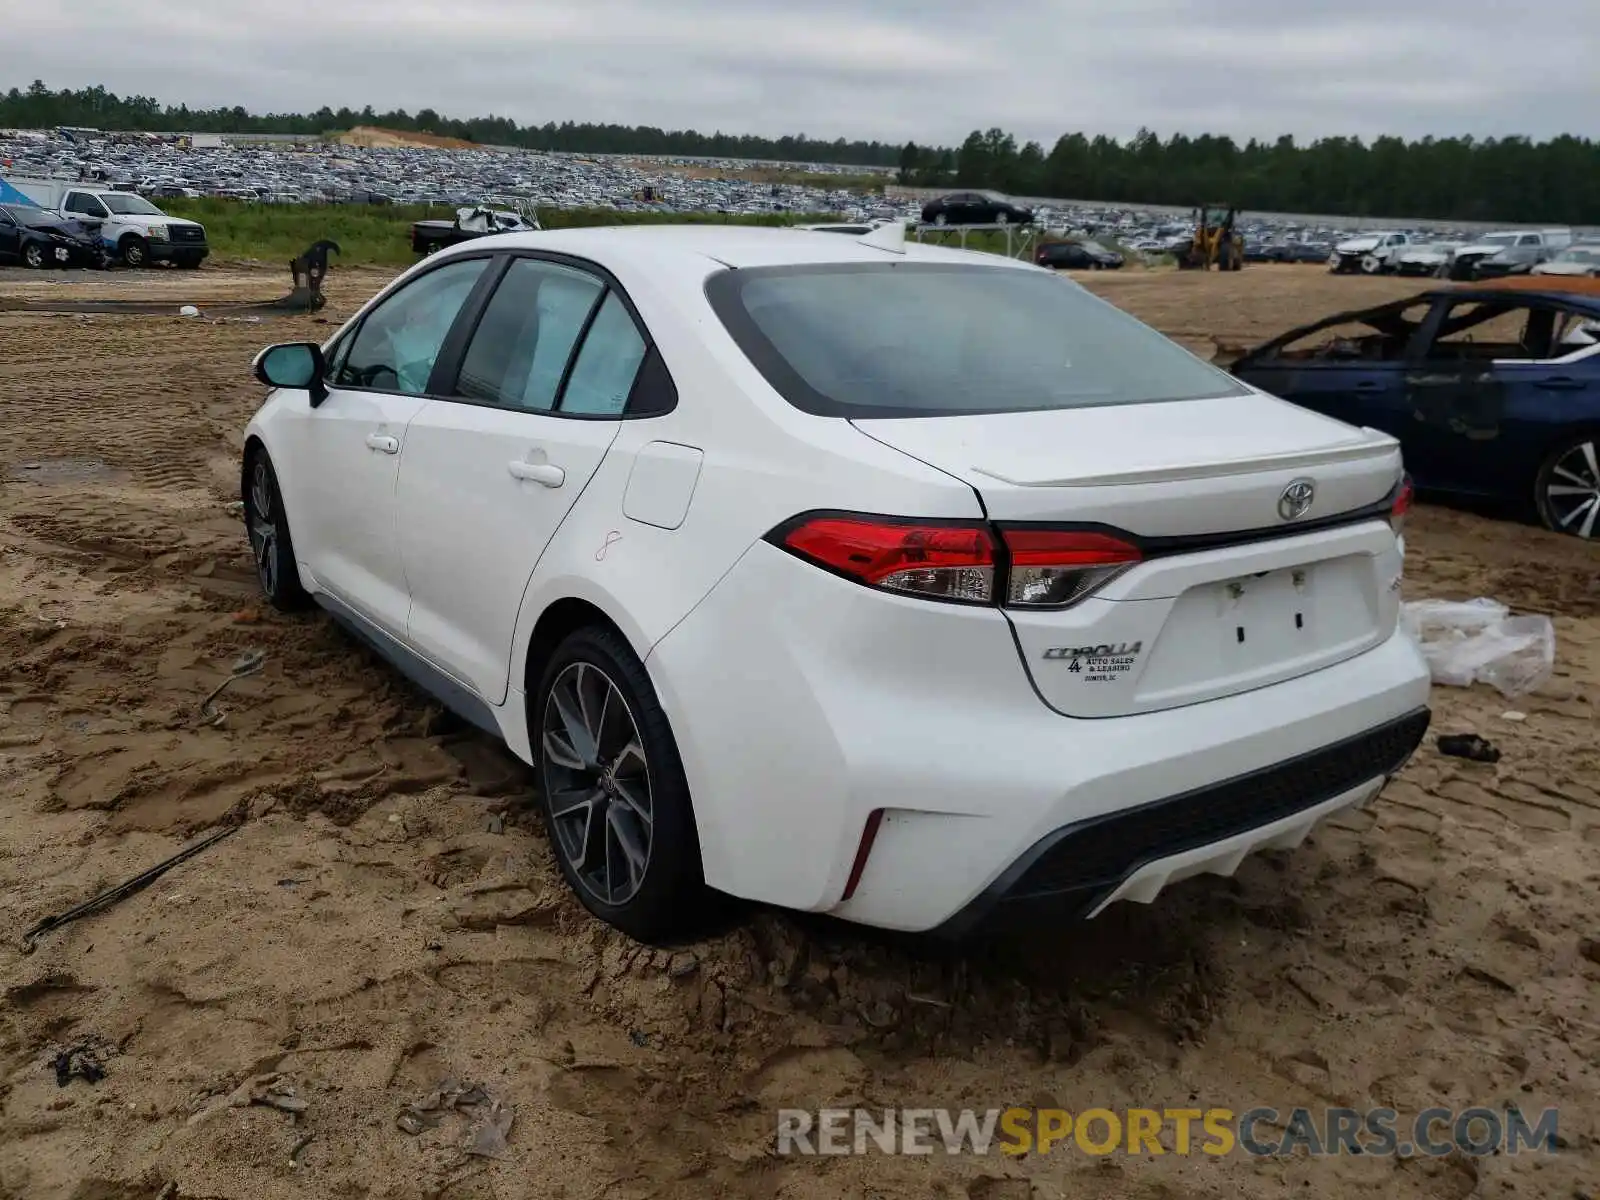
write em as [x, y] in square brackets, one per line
[1216, 243]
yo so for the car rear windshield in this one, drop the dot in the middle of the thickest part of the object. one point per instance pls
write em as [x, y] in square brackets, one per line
[934, 339]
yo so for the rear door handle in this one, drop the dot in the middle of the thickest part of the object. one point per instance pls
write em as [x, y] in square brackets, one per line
[1560, 383]
[382, 441]
[546, 473]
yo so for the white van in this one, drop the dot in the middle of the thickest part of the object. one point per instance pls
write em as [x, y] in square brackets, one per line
[137, 231]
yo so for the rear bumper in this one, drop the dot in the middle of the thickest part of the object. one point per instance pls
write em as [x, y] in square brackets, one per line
[1136, 853]
[802, 703]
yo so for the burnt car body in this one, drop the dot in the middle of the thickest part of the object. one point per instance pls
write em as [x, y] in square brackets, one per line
[1493, 389]
[40, 239]
[975, 208]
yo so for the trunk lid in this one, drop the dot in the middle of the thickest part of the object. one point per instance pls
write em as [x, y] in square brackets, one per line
[1230, 595]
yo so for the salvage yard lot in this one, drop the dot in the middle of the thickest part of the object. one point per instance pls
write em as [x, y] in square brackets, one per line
[387, 913]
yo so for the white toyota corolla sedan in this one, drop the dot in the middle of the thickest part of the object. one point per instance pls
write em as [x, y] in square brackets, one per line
[893, 582]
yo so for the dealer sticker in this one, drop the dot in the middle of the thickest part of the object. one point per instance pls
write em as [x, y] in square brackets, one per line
[1106, 663]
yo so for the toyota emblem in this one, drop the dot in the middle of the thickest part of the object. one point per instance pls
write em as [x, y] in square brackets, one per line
[1296, 499]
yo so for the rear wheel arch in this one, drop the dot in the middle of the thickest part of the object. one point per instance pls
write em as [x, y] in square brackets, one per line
[561, 618]
[671, 899]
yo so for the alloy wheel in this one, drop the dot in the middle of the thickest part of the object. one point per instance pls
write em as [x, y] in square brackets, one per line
[264, 527]
[1572, 490]
[597, 781]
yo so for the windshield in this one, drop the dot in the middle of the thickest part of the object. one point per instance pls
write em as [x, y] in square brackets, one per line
[1498, 239]
[936, 339]
[22, 214]
[128, 205]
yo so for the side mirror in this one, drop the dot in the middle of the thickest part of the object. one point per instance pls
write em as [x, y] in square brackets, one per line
[296, 365]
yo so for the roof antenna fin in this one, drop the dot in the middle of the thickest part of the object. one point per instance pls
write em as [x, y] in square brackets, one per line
[890, 236]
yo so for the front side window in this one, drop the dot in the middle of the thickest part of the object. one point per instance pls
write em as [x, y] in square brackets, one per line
[87, 205]
[127, 204]
[931, 339]
[399, 341]
[520, 349]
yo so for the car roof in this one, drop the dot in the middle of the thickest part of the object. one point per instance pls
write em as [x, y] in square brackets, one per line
[668, 246]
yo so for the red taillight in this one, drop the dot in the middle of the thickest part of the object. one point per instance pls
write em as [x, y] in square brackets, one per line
[1402, 505]
[1052, 568]
[965, 562]
[945, 562]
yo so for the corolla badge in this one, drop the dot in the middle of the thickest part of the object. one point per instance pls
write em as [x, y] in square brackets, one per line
[1296, 499]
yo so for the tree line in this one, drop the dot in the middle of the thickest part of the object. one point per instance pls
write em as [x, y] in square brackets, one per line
[1510, 179]
[1460, 178]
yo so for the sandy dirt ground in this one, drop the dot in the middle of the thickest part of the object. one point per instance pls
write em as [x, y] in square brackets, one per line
[386, 914]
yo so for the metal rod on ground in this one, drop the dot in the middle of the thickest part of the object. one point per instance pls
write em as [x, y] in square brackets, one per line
[122, 890]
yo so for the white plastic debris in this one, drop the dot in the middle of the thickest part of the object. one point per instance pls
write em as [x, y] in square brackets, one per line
[1479, 641]
[188, 310]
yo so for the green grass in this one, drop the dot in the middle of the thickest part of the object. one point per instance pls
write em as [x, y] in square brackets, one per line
[380, 235]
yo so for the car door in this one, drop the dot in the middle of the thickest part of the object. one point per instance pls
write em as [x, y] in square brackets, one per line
[1456, 386]
[346, 452]
[490, 473]
[1506, 420]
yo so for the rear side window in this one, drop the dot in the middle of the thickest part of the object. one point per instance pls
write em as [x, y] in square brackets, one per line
[931, 339]
[520, 349]
[602, 377]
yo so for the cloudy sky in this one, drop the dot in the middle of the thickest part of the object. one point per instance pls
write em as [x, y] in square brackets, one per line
[929, 70]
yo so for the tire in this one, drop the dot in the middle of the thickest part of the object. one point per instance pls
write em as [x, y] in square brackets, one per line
[33, 257]
[628, 763]
[941, 219]
[1574, 465]
[1002, 218]
[1371, 265]
[267, 526]
[134, 251]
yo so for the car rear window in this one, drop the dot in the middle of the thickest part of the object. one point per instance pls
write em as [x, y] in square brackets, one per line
[933, 339]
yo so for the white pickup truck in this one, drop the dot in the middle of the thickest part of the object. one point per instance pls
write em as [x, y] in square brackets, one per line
[135, 230]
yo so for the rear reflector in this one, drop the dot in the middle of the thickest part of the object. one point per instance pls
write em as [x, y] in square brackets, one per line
[863, 851]
[938, 561]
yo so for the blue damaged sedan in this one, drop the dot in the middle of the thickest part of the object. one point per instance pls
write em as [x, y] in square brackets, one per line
[1493, 388]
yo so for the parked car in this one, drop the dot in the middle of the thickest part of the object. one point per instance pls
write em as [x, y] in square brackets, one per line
[1369, 253]
[1492, 389]
[975, 208]
[1425, 258]
[40, 239]
[883, 580]
[1580, 259]
[1531, 245]
[135, 230]
[1077, 256]
[429, 237]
